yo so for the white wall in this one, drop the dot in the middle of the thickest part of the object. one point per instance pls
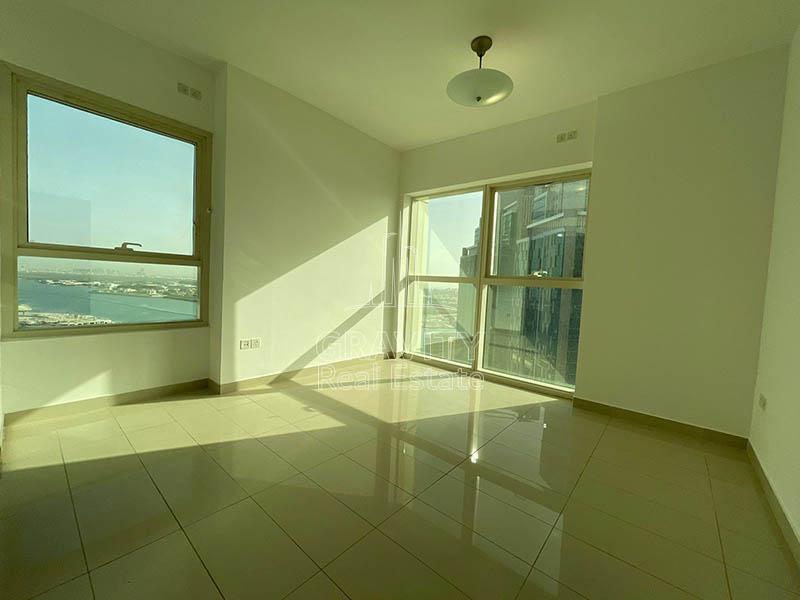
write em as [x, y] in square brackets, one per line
[678, 241]
[773, 433]
[54, 41]
[522, 147]
[309, 206]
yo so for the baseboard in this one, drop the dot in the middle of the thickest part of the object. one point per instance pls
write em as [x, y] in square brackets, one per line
[791, 536]
[285, 376]
[683, 428]
[68, 408]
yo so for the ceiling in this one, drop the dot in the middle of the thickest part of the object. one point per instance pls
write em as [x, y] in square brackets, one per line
[383, 66]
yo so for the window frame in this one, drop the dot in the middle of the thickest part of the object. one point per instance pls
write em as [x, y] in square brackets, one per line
[484, 277]
[16, 85]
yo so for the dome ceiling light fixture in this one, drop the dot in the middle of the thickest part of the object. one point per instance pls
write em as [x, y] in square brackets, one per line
[480, 87]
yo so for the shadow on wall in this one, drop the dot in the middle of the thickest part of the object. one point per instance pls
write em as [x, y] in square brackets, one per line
[310, 214]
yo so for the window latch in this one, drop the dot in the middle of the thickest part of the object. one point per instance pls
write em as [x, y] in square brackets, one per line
[127, 246]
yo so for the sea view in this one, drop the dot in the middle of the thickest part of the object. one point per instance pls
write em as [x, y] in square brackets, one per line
[39, 298]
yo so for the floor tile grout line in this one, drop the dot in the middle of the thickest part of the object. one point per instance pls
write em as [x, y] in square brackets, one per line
[560, 513]
[75, 515]
[719, 532]
[174, 516]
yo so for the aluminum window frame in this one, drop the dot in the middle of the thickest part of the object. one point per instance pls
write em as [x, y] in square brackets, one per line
[484, 278]
[15, 86]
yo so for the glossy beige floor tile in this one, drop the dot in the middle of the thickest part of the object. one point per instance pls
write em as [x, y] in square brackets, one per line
[90, 432]
[339, 432]
[300, 449]
[681, 527]
[368, 494]
[659, 467]
[248, 555]
[119, 514]
[319, 587]
[376, 567]
[76, 589]
[318, 522]
[756, 522]
[690, 571]
[467, 485]
[40, 547]
[28, 479]
[475, 565]
[390, 462]
[595, 574]
[513, 530]
[44, 444]
[254, 419]
[533, 499]
[288, 405]
[747, 587]
[539, 586]
[160, 440]
[697, 503]
[193, 484]
[747, 495]
[167, 568]
[96, 460]
[251, 464]
[765, 561]
[134, 417]
[550, 470]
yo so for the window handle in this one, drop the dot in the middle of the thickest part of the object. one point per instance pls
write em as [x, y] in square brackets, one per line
[127, 246]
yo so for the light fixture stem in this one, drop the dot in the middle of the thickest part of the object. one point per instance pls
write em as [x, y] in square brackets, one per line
[480, 62]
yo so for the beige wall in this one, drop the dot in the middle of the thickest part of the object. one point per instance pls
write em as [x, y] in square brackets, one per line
[523, 147]
[309, 207]
[774, 431]
[679, 229]
[43, 37]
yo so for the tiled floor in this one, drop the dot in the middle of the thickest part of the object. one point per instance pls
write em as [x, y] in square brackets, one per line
[415, 485]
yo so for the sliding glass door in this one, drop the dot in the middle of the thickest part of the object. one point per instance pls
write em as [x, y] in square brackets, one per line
[509, 305]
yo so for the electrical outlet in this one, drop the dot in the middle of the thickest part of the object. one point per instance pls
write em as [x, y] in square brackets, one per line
[561, 137]
[183, 89]
[255, 343]
[195, 94]
[572, 135]
[244, 344]
[762, 401]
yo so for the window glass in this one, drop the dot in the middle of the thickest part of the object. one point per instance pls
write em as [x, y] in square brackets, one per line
[532, 332]
[60, 292]
[97, 182]
[540, 230]
[441, 318]
[446, 235]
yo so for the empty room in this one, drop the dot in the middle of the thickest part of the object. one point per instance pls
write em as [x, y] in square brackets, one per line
[374, 300]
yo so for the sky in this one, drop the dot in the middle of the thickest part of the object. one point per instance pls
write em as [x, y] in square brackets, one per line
[93, 181]
[451, 228]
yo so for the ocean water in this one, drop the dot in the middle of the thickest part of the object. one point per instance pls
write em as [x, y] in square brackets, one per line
[42, 297]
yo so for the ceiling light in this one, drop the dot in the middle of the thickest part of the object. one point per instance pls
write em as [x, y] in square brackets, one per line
[480, 87]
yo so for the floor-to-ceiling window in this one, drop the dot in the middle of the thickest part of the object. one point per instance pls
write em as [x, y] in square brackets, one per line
[443, 264]
[510, 304]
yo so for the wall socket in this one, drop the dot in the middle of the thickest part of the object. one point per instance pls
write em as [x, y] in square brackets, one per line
[250, 344]
[762, 401]
[567, 136]
[189, 91]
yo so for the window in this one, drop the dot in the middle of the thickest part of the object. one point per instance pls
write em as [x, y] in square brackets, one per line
[520, 317]
[444, 261]
[112, 206]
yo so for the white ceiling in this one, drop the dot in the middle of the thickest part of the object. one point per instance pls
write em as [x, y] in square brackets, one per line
[383, 66]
